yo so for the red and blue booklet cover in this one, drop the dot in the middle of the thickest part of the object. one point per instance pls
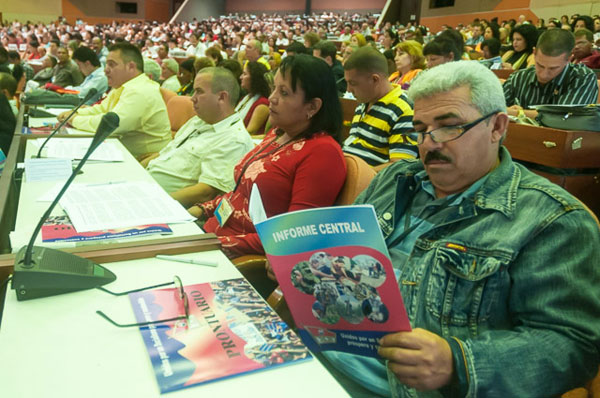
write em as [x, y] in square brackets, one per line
[60, 228]
[230, 331]
[336, 275]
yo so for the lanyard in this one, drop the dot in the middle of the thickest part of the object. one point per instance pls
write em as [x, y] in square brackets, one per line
[254, 158]
[446, 203]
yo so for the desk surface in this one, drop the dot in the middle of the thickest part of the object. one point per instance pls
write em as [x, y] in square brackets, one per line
[30, 210]
[58, 347]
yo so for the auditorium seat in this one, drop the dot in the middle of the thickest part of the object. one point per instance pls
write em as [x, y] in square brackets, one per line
[180, 110]
[167, 94]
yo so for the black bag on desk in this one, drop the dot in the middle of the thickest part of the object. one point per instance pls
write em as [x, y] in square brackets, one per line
[570, 117]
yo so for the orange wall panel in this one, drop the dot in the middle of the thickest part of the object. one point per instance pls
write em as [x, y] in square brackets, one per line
[263, 5]
[512, 4]
[158, 10]
[327, 5]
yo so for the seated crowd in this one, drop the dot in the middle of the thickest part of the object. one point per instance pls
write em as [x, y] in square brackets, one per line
[493, 261]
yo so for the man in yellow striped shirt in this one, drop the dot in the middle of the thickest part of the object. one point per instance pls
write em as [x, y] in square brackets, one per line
[384, 117]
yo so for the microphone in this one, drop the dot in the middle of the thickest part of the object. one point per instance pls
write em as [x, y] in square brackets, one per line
[85, 99]
[82, 273]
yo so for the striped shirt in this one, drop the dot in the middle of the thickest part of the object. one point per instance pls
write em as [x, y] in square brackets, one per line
[576, 84]
[379, 134]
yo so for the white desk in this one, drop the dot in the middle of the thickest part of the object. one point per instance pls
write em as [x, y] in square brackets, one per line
[58, 347]
[30, 210]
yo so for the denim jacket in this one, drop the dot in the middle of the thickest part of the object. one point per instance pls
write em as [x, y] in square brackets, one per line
[510, 278]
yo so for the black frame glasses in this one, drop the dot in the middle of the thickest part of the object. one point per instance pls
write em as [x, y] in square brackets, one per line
[180, 294]
[420, 135]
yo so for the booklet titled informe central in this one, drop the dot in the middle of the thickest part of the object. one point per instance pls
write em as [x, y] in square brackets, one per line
[336, 275]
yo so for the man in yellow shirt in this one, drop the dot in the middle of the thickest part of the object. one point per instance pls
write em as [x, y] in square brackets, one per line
[144, 126]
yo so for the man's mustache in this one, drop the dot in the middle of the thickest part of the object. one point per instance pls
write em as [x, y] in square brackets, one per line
[436, 155]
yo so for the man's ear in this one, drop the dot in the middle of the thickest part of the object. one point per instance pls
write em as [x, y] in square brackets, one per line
[500, 125]
[223, 96]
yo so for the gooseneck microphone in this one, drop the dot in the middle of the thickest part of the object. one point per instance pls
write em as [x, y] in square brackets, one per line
[85, 99]
[36, 267]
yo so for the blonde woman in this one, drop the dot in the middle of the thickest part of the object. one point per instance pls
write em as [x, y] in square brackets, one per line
[409, 62]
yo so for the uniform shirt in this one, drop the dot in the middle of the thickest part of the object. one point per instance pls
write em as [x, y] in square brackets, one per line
[576, 84]
[202, 152]
[144, 125]
[378, 135]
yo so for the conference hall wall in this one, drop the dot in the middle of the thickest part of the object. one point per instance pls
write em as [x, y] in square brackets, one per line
[464, 11]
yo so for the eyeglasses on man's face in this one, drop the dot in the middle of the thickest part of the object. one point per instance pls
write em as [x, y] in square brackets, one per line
[448, 133]
[180, 295]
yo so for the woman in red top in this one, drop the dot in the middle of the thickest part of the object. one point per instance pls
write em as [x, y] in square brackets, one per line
[253, 108]
[298, 165]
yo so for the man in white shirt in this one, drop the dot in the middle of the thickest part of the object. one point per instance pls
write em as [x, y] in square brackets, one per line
[170, 70]
[198, 164]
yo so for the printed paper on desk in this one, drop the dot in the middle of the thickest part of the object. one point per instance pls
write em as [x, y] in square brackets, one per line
[76, 148]
[55, 111]
[72, 130]
[336, 275]
[47, 169]
[120, 205]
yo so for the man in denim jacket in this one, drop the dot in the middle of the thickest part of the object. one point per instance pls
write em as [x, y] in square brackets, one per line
[498, 268]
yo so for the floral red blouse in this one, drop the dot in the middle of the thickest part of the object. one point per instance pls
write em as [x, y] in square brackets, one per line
[298, 175]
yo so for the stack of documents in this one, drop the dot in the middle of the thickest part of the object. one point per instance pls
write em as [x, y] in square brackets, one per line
[75, 148]
[120, 205]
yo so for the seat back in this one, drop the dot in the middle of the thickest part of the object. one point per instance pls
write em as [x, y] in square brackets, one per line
[180, 109]
[167, 94]
[358, 177]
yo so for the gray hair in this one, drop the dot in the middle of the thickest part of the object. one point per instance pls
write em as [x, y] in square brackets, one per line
[223, 80]
[487, 95]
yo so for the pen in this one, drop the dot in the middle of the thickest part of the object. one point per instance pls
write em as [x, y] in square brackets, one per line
[187, 260]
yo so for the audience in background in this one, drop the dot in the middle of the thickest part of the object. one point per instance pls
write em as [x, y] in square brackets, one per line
[439, 51]
[253, 108]
[584, 52]
[65, 73]
[8, 121]
[169, 71]
[186, 76]
[491, 53]
[520, 56]
[89, 65]
[553, 80]
[326, 50]
[409, 60]
[383, 118]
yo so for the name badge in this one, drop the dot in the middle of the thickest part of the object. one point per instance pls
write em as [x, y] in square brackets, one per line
[223, 211]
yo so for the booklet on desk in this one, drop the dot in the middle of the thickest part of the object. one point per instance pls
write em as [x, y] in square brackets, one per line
[230, 331]
[336, 275]
[60, 228]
